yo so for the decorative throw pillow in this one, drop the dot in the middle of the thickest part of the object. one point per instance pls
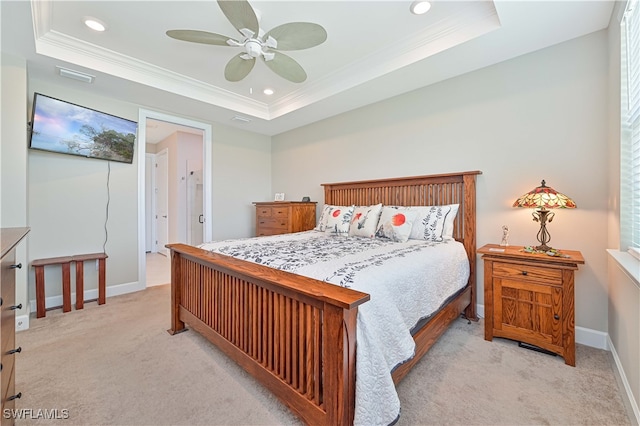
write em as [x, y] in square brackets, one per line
[448, 222]
[322, 221]
[365, 221]
[395, 224]
[338, 220]
[434, 223]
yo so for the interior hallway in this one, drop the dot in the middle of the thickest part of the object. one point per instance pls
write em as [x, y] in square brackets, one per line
[158, 269]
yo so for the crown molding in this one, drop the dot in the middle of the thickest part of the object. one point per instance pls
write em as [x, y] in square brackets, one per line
[60, 46]
[470, 21]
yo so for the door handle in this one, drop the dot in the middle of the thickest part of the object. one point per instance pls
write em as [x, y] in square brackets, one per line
[165, 216]
[201, 218]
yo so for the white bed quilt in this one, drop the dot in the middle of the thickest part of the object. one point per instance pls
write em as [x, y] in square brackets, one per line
[407, 282]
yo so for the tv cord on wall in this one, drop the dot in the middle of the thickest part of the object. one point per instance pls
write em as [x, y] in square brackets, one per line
[106, 219]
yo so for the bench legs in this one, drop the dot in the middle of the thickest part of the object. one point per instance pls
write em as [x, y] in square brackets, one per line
[40, 308]
[102, 291]
[66, 281]
[80, 283]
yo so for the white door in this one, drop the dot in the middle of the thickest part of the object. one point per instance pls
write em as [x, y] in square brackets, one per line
[149, 188]
[195, 208]
[162, 201]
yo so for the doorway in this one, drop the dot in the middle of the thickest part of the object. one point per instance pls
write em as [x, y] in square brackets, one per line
[205, 173]
[160, 219]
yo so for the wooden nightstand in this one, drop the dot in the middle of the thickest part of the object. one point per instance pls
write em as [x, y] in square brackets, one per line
[283, 217]
[529, 297]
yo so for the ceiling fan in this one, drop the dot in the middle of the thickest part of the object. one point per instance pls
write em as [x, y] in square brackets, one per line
[256, 43]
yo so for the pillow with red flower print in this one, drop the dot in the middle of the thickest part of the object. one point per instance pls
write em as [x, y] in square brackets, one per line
[338, 220]
[395, 224]
[365, 221]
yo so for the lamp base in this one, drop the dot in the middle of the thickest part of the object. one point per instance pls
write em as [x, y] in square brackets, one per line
[543, 247]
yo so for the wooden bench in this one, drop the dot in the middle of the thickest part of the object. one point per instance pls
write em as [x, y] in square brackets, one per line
[65, 262]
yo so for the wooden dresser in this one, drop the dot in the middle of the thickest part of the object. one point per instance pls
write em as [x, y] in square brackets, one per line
[9, 239]
[529, 297]
[283, 217]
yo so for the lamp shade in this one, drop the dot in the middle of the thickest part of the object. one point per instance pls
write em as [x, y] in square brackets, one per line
[545, 197]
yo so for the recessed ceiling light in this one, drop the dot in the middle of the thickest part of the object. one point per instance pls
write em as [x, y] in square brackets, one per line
[94, 24]
[268, 91]
[419, 7]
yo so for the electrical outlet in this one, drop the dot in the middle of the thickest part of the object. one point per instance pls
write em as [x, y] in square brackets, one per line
[21, 325]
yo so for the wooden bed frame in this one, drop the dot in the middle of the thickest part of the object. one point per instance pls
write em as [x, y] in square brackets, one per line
[297, 335]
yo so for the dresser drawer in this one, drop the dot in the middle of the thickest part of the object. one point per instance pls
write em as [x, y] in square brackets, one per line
[273, 223]
[263, 211]
[527, 272]
[6, 376]
[277, 212]
[280, 212]
[282, 217]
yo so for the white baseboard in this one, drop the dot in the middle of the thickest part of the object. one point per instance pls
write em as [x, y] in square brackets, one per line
[114, 290]
[584, 336]
[633, 404]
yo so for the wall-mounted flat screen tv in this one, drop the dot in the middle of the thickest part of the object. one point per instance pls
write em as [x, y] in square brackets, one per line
[66, 128]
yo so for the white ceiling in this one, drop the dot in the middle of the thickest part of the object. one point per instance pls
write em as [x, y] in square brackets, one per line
[374, 50]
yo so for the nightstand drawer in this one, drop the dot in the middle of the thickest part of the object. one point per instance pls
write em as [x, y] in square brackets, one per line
[527, 272]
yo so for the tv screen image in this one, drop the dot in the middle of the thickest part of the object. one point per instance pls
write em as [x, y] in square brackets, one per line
[66, 128]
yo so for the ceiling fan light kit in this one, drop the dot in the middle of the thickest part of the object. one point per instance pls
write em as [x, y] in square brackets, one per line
[255, 43]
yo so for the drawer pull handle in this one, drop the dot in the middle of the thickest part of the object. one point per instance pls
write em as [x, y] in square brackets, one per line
[16, 396]
[13, 351]
[18, 266]
[14, 307]
[525, 273]
[556, 316]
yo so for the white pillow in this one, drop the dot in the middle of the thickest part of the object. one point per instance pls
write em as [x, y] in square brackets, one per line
[322, 221]
[434, 223]
[395, 224]
[365, 221]
[338, 220]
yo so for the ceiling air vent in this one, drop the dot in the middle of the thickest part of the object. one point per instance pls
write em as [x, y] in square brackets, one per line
[75, 75]
[241, 119]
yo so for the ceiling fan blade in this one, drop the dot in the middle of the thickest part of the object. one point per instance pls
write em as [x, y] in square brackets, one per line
[297, 35]
[199, 37]
[286, 67]
[240, 14]
[238, 68]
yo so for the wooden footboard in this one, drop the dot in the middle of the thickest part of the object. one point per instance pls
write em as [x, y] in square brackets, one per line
[295, 335]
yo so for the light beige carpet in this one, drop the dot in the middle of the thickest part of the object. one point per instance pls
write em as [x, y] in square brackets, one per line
[115, 364]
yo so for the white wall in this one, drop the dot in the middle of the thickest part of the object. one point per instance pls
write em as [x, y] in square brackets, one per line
[13, 167]
[68, 199]
[241, 174]
[67, 195]
[539, 116]
[624, 292]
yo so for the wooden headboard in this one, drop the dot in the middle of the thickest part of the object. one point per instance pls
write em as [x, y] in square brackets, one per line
[428, 190]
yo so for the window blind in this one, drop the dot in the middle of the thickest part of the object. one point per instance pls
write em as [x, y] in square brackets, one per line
[630, 143]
